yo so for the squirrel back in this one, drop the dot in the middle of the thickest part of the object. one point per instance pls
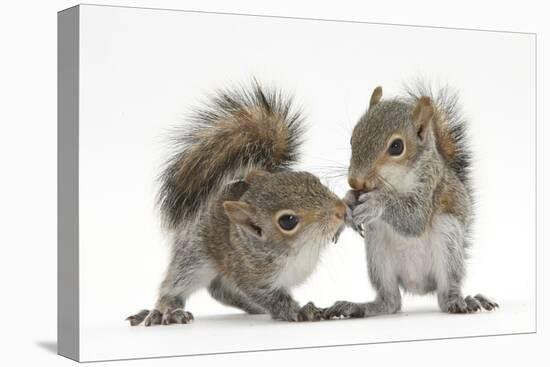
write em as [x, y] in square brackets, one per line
[237, 131]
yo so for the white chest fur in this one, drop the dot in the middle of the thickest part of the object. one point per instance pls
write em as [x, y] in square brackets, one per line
[417, 264]
[299, 265]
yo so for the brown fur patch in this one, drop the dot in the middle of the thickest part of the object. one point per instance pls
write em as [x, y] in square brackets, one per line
[270, 129]
[447, 202]
[254, 174]
[445, 142]
[446, 199]
[231, 135]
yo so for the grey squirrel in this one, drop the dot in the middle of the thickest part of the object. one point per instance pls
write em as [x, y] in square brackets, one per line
[412, 197]
[242, 223]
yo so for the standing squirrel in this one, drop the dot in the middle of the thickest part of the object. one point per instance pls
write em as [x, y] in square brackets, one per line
[411, 196]
[242, 223]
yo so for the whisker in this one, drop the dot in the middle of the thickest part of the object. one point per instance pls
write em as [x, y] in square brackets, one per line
[325, 159]
[327, 168]
[325, 177]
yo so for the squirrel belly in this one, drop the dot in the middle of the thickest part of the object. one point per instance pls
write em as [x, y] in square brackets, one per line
[418, 264]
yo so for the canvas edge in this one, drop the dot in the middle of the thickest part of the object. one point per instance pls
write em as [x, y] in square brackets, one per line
[68, 331]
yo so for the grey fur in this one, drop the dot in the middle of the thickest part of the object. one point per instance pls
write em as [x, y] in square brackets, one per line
[221, 290]
[417, 219]
[221, 197]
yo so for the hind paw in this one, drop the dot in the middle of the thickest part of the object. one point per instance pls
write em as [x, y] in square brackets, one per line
[485, 302]
[457, 305]
[470, 304]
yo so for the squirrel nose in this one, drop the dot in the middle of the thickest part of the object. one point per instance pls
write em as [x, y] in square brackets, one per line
[357, 183]
[340, 210]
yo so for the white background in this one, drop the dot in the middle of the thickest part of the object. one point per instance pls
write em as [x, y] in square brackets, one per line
[34, 114]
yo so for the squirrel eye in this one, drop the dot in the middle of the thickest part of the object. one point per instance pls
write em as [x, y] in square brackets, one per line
[288, 222]
[396, 147]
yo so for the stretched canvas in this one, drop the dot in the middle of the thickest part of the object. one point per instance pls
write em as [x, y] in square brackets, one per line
[129, 77]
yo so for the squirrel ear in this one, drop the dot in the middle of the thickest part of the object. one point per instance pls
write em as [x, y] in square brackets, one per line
[422, 115]
[241, 214]
[376, 96]
[255, 173]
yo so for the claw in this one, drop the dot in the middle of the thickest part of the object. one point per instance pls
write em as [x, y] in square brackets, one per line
[337, 234]
[358, 228]
[361, 230]
[137, 318]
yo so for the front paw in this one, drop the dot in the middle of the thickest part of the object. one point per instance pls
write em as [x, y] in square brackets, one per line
[155, 317]
[310, 312]
[290, 314]
[369, 208]
[351, 199]
[344, 309]
[137, 318]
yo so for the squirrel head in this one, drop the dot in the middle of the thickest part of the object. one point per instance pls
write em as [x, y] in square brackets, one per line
[388, 141]
[286, 207]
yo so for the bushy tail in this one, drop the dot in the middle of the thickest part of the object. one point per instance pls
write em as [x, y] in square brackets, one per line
[238, 130]
[450, 126]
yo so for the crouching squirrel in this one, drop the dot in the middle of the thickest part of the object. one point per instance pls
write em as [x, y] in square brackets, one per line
[241, 222]
[412, 196]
